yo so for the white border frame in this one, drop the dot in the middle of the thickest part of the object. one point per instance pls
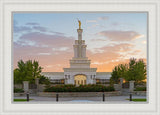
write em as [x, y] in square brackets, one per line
[8, 6]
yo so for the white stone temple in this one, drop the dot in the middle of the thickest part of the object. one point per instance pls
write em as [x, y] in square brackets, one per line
[79, 71]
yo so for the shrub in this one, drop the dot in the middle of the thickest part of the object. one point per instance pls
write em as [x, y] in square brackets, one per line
[140, 84]
[140, 89]
[81, 88]
[17, 90]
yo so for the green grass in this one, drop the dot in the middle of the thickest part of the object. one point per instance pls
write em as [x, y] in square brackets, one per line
[21, 100]
[137, 100]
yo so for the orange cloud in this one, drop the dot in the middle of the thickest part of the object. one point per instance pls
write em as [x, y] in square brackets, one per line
[52, 62]
[54, 52]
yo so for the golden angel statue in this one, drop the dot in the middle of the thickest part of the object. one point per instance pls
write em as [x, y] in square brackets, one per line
[79, 24]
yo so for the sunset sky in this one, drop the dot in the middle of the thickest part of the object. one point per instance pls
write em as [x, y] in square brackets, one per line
[111, 38]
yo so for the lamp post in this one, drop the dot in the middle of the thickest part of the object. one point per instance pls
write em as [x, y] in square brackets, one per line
[103, 96]
[57, 95]
[27, 96]
[130, 96]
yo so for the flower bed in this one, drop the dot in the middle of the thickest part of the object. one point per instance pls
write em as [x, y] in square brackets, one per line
[81, 88]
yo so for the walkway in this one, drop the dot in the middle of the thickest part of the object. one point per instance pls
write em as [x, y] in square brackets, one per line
[112, 99]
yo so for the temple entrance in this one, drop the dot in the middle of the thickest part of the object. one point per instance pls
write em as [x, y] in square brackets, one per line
[79, 80]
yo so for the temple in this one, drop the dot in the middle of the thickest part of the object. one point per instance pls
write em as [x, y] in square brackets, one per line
[79, 72]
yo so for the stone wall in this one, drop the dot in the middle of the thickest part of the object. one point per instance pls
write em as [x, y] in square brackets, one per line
[139, 93]
[19, 94]
[41, 87]
[78, 94]
[117, 87]
[18, 86]
[126, 92]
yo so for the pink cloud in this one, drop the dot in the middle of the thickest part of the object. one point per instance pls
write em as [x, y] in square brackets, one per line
[45, 55]
[41, 39]
[56, 56]
[104, 61]
[120, 35]
[40, 28]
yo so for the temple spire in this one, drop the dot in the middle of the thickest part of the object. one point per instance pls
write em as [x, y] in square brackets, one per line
[79, 31]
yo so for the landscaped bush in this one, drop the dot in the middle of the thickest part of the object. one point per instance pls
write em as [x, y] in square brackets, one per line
[140, 84]
[81, 88]
[140, 89]
[56, 83]
[17, 90]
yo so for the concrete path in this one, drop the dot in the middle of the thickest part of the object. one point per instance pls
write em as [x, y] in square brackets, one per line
[112, 99]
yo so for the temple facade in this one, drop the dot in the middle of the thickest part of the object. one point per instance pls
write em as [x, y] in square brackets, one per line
[79, 72]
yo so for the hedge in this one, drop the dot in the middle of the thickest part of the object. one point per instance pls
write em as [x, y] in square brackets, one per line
[81, 88]
[140, 89]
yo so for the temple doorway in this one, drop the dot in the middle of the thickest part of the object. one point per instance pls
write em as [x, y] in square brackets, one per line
[79, 80]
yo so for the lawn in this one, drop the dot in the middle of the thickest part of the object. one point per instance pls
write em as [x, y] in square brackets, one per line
[137, 100]
[21, 100]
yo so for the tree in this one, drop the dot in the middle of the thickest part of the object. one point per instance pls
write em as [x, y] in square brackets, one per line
[131, 71]
[141, 70]
[114, 76]
[137, 70]
[118, 72]
[36, 69]
[27, 71]
[17, 77]
[122, 70]
[20, 73]
[44, 80]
